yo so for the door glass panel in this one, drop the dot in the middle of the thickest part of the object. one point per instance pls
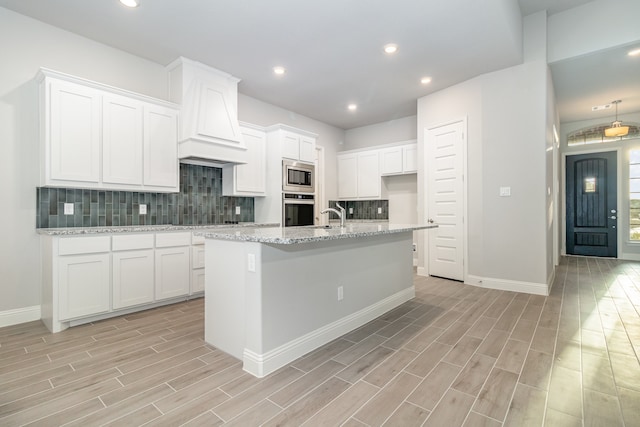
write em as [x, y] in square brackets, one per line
[634, 195]
[590, 185]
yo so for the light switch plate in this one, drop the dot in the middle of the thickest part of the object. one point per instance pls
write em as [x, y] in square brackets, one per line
[143, 210]
[237, 210]
[68, 208]
[505, 191]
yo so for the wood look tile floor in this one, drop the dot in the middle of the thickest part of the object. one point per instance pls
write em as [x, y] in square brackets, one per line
[455, 355]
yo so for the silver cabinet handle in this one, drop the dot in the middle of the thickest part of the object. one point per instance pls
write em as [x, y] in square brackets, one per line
[613, 217]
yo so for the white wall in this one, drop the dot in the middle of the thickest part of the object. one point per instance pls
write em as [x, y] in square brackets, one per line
[506, 112]
[402, 129]
[26, 46]
[594, 26]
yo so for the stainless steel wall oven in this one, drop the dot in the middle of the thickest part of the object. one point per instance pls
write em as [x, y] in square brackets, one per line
[297, 209]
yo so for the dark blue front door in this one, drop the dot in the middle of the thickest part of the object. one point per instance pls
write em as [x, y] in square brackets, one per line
[592, 204]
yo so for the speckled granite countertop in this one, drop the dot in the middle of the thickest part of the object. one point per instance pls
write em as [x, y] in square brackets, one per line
[293, 235]
[70, 231]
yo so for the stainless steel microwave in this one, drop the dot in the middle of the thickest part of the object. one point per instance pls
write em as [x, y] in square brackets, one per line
[298, 177]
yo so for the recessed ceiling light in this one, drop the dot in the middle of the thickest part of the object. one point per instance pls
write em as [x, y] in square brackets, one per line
[425, 80]
[279, 70]
[130, 3]
[390, 48]
[634, 52]
[352, 107]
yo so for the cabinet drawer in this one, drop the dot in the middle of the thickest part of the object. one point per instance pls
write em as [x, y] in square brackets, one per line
[132, 241]
[165, 240]
[84, 245]
[197, 256]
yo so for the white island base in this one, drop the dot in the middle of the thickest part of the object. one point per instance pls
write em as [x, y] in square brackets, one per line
[268, 304]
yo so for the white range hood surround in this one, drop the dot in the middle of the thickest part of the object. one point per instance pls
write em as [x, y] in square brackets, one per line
[208, 125]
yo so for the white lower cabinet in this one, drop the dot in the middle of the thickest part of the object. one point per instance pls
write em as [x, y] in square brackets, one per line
[83, 285]
[173, 266]
[133, 275]
[86, 278]
[172, 272]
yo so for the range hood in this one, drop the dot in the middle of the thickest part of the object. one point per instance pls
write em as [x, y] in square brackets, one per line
[208, 124]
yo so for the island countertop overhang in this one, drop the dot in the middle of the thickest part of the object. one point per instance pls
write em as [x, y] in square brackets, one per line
[307, 234]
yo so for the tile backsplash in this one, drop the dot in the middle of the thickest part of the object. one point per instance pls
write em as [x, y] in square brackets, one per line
[362, 209]
[199, 202]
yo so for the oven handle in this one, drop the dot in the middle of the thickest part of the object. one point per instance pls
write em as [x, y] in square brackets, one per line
[299, 202]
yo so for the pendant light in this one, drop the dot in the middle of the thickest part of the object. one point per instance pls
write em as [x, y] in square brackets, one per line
[616, 128]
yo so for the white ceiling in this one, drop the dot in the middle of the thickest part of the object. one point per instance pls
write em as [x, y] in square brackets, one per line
[332, 49]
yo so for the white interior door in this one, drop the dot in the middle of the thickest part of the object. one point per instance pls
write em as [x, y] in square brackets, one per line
[444, 150]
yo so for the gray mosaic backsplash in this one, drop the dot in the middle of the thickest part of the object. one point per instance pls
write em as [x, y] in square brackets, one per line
[362, 209]
[199, 202]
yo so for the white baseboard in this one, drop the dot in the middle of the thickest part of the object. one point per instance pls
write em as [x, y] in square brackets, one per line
[508, 285]
[629, 257]
[19, 315]
[261, 365]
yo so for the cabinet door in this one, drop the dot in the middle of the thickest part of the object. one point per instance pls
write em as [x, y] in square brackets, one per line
[391, 161]
[160, 147]
[347, 176]
[307, 149]
[121, 141]
[290, 146]
[133, 281]
[72, 150]
[83, 285]
[172, 272]
[369, 181]
[410, 158]
[197, 280]
[251, 177]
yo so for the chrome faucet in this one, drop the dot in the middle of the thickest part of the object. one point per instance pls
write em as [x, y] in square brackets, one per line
[340, 213]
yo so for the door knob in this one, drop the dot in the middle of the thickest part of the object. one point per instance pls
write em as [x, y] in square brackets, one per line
[430, 221]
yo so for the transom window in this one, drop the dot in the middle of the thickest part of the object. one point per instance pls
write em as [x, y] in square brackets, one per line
[595, 134]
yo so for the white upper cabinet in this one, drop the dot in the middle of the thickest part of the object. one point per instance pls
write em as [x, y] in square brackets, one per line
[209, 126]
[121, 140]
[100, 137]
[71, 129]
[369, 183]
[359, 175]
[399, 160]
[160, 150]
[347, 176]
[298, 147]
[248, 179]
[291, 143]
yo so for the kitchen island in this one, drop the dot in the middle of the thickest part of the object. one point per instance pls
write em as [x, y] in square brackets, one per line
[273, 294]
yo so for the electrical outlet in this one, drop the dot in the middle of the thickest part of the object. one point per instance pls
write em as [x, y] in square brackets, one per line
[237, 210]
[379, 210]
[68, 208]
[415, 247]
[340, 293]
[350, 211]
[505, 191]
[142, 210]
